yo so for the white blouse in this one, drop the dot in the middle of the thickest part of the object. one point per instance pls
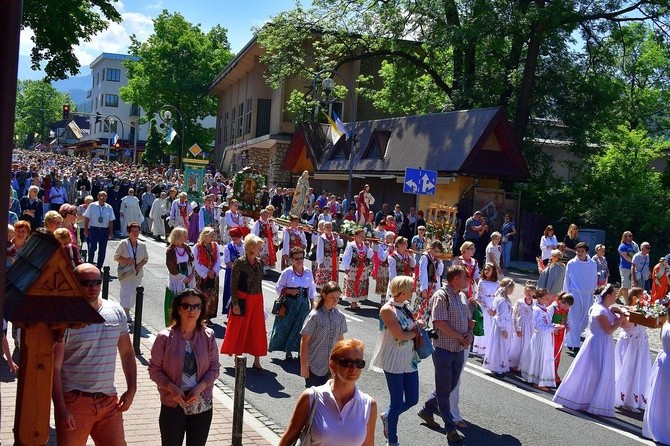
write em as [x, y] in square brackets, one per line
[392, 355]
[335, 427]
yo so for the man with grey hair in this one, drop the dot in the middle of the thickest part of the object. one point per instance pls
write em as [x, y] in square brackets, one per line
[640, 269]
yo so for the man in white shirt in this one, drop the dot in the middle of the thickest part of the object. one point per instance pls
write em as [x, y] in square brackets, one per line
[640, 269]
[98, 227]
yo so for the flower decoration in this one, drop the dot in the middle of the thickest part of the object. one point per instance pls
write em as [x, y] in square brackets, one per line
[248, 189]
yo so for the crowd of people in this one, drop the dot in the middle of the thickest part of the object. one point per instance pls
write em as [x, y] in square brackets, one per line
[424, 298]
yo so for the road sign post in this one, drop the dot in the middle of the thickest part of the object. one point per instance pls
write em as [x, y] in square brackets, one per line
[420, 181]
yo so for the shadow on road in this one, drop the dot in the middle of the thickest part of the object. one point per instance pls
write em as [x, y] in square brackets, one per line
[478, 435]
[261, 382]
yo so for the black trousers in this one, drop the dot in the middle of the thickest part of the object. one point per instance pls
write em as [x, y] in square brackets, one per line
[174, 424]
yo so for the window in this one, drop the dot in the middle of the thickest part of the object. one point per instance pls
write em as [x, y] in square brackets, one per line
[263, 117]
[232, 125]
[341, 151]
[113, 74]
[240, 119]
[111, 100]
[247, 117]
[226, 123]
[377, 145]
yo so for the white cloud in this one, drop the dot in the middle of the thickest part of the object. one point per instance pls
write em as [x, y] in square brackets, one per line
[115, 39]
[154, 6]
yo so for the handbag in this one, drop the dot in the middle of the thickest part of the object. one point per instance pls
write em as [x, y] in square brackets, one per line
[478, 317]
[124, 272]
[201, 405]
[242, 303]
[279, 306]
[422, 343]
[305, 438]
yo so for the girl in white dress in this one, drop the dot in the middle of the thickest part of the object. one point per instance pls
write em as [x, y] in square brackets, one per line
[384, 250]
[633, 366]
[655, 423]
[589, 383]
[486, 292]
[500, 339]
[537, 365]
[522, 317]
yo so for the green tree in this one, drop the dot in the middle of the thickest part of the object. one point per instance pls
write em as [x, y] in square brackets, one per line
[38, 104]
[155, 147]
[452, 54]
[60, 25]
[176, 66]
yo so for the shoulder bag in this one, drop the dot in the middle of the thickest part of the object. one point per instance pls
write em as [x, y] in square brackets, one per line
[305, 438]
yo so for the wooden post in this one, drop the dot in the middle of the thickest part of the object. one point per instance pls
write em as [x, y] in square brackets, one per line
[137, 325]
[33, 396]
[238, 401]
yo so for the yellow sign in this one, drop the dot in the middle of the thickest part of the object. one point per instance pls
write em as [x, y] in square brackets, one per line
[195, 161]
[195, 149]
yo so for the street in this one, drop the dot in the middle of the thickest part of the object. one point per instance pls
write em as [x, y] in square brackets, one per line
[500, 412]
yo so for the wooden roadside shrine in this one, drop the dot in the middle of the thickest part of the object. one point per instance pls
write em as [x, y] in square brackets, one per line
[43, 298]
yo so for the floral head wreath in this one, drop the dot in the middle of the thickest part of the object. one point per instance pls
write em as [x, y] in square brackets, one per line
[608, 289]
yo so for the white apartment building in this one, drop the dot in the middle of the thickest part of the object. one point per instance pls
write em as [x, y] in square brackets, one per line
[114, 116]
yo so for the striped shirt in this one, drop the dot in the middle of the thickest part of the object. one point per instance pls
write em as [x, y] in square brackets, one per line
[454, 308]
[324, 329]
[89, 358]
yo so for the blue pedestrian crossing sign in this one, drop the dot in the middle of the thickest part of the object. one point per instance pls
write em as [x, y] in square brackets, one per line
[419, 181]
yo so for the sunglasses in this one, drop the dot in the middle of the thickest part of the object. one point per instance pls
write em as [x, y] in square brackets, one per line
[348, 363]
[190, 307]
[90, 283]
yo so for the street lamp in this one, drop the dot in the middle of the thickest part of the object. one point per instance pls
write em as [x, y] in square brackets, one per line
[327, 86]
[165, 114]
[111, 120]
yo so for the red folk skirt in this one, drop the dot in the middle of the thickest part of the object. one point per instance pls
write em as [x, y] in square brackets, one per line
[246, 334]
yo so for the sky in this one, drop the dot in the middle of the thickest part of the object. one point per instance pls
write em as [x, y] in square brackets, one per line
[238, 16]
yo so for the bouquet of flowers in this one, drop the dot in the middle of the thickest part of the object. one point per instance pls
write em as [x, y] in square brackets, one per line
[349, 227]
[651, 310]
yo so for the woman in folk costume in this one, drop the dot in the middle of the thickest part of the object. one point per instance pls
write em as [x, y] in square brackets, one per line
[537, 365]
[401, 262]
[207, 264]
[655, 422]
[131, 212]
[234, 250]
[193, 224]
[296, 285]
[486, 293]
[209, 216]
[430, 273]
[468, 260]
[384, 250]
[159, 210]
[179, 262]
[357, 265]
[500, 341]
[589, 384]
[327, 266]
[180, 211]
[294, 237]
[365, 200]
[266, 228]
[234, 219]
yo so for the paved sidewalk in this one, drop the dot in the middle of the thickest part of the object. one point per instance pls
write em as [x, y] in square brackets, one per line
[141, 420]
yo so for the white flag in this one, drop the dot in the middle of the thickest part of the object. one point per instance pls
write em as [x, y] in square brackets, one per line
[171, 133]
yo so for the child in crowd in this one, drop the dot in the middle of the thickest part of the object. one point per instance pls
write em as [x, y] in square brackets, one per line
[384, 250]
[522, 317]
[500, 339]
[69, 249]
[632, 362]
[537, 365]
[559, 317]
[486, 293]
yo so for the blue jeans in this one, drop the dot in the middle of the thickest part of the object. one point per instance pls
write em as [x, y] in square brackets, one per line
[97, 241]
[404, 392]
[506, 251]
[448, 366]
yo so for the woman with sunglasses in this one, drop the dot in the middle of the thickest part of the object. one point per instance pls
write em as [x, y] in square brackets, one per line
[296, 286]
[184, 364]
[344, 415]
[395, 355]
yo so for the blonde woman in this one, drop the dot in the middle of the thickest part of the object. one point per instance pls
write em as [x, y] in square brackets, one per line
[179, 262]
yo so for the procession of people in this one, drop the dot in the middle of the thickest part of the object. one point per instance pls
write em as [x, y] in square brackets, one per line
[218, 255]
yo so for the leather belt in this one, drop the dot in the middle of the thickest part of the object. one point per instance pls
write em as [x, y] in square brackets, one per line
[94, 395]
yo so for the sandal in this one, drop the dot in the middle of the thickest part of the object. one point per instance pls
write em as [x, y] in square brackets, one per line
[385, 424]
[461, 424]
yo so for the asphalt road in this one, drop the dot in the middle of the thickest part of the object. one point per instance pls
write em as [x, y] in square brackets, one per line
[500, 412]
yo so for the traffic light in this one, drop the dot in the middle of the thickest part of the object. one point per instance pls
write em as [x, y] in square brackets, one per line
[66, 111]
[98, 117]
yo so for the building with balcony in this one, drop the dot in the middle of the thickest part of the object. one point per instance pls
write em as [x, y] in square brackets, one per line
[110, 115]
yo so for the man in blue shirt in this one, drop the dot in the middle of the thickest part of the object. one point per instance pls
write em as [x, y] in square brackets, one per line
[627, 250]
